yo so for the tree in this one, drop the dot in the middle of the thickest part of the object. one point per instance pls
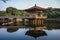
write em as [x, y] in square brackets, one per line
[4, 0]
[24, 13]
[52, 13]
[15, 12]
[2, 13]
[11, 11]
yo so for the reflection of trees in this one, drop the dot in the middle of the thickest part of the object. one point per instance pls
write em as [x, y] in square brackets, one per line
[53, 25]
[11, 30]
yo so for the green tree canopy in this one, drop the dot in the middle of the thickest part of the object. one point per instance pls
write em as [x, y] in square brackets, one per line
[12, 11]
[52, 13]
[15, 12]
[2, 13]
[4, 0]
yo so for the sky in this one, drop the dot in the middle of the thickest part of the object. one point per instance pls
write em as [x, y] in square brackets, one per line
[25, 4]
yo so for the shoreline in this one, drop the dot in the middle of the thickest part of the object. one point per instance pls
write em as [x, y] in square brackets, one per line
[56, 19]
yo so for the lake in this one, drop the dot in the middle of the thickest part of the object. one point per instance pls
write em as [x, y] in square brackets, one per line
[49, 31]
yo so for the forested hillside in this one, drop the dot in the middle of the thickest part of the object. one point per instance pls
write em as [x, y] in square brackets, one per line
[52, 12]
[11, 11]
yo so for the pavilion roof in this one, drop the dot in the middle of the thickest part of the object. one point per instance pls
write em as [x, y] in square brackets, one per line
[35, 8]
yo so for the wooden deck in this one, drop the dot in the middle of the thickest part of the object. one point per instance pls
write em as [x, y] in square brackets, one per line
[32, 20]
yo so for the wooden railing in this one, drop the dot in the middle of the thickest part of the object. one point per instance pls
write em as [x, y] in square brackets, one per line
[41, 17]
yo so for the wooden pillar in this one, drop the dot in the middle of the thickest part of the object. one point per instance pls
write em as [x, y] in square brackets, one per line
[29, 21]
[14, 20]
[38, 22]
[3, 20]
[23, 21]
[41, 22]
[33, 22]
[0, 21]
[7, 20]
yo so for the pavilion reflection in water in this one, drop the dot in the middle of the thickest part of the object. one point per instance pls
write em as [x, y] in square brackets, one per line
[36, 32]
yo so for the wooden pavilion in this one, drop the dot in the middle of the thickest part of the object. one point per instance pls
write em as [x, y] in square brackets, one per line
[37, 13]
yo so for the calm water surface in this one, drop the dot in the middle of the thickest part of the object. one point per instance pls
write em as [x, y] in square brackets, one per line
[51, 32]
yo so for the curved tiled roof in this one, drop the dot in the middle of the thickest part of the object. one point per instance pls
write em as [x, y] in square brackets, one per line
[35, 8]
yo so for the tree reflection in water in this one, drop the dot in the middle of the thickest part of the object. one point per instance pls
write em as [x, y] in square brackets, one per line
[11, 30]
[52, 24]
